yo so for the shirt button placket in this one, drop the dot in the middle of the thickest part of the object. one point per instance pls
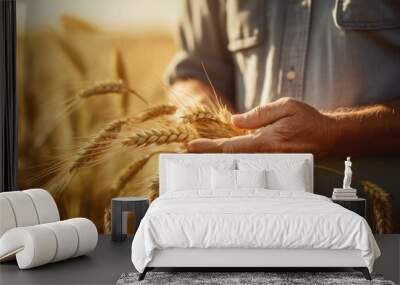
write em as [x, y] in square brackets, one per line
[294, 48]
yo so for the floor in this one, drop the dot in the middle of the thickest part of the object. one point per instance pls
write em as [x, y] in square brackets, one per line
[103, 266]
[110, 260]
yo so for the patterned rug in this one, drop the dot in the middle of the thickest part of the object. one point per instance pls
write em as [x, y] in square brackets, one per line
[232, 278]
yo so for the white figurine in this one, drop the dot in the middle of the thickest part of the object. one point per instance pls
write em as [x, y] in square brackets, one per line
[347, 174]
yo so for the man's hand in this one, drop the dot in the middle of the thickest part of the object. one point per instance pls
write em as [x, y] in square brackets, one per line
[285, 125]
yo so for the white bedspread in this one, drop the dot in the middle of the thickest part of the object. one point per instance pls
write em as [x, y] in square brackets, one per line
[251, 219]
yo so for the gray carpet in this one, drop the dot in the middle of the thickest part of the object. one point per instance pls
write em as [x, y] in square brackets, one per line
[231, 278]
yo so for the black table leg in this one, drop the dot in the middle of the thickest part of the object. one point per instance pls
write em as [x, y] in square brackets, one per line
[116, 221]
[139, 210]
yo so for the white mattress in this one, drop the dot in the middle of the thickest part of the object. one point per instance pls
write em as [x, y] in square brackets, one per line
[252, 219]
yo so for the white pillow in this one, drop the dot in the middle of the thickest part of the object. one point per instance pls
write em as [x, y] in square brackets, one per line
[281, 175]
[185, 174]
[181, 178]
[251, 178]
[226, 179]
[223, 179]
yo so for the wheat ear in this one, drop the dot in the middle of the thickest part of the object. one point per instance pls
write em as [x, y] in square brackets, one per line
[104, 139]
[106, 87]
[153, 189]
[178, 134]
[214, 129]
[383, 215]
[195, 113]
[154, 112]
[211, 124]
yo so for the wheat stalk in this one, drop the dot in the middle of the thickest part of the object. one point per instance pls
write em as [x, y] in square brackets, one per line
[106, 87]
[98, 145]
[71, 53]
[160, 136]
[107, 221]
[383, 215]
[153, 113]
[76, 25]
[129, 172]
[153, 189]
[103, 140]
[121, 72]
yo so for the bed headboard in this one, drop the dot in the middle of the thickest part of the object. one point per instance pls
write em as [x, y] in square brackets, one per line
[270, 157]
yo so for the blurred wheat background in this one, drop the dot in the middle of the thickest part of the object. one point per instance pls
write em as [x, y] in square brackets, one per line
[58, 58]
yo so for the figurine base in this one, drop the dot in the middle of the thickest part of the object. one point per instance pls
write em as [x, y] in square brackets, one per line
[344, 190]
[344, 193]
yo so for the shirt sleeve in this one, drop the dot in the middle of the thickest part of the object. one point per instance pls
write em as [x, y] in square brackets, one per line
[202, 39]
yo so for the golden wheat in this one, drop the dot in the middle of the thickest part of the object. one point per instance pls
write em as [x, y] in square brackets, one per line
[214, 129]
[203, 124]
[160, 136]
[153, 113]
[103, 140]
[128, 173]
[69, 52]
[98, 145]
[153, 189]
[210, 123]
[106, 87]
[383, 215]
[121, 72]
[76, 25]
[224, 114]
[195, 113]
[107, 221]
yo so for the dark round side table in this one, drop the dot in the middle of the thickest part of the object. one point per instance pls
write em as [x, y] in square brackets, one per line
[119, 208]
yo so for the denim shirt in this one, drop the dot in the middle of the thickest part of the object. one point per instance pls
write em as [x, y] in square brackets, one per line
[327, 53]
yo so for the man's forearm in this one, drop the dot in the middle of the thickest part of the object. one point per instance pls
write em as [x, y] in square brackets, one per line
[370, 130]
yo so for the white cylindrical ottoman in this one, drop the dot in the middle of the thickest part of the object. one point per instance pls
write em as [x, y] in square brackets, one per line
[40, 244]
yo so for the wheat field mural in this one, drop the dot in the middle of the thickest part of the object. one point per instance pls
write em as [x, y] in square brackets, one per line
[94, 116]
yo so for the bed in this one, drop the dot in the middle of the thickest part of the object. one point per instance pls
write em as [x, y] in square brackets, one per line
[247, 210]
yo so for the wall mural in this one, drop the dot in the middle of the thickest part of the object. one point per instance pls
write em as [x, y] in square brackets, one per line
[94, 115]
